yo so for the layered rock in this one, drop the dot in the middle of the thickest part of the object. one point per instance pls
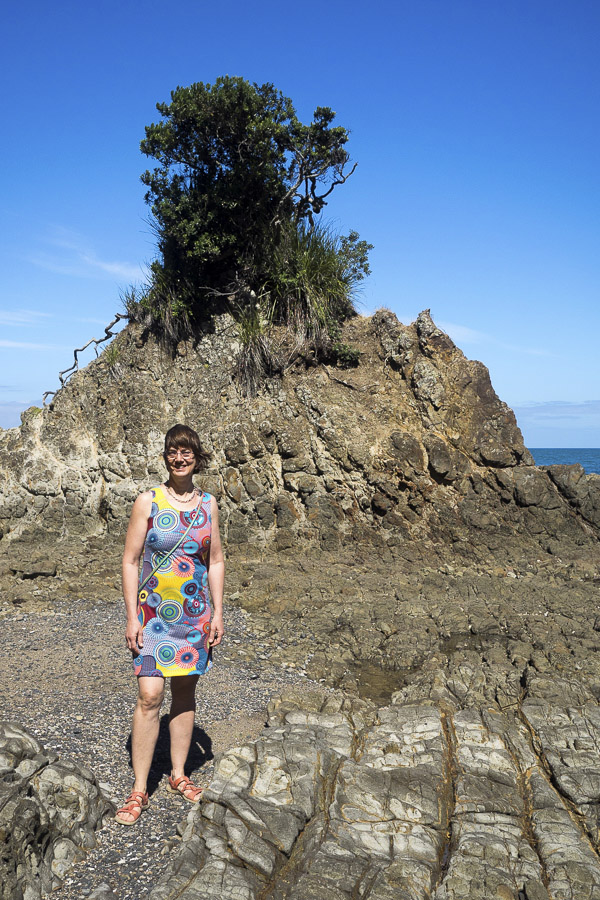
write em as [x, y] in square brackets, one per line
[341, 800]
[410, 448]
[50, 810]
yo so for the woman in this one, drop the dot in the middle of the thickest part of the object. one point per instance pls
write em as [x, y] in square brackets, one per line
[169, 626]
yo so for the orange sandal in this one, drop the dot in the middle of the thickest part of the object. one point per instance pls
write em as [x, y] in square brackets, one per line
[135, 803]
[185, 787]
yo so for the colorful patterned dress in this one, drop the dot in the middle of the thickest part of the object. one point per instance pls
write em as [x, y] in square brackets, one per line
[174, 605]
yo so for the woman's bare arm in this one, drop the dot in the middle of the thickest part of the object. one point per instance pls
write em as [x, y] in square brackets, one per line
[134, 544]
[216, 578]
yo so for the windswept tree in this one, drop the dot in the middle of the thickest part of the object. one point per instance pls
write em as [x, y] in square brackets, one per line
[237, 171]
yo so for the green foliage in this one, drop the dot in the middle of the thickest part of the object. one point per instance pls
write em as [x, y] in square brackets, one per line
[236, 170]
[131, 300]
[309, 292]
[256, 357]
[235, 197]
[343, 354]
[314, 275]
[111, 353]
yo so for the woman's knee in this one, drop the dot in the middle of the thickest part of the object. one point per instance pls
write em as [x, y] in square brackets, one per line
[150, 697]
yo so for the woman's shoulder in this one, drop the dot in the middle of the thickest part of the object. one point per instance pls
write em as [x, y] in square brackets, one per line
[143, 502]
[151, 495]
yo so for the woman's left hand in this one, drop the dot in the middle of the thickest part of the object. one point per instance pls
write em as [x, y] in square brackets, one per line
[216, 631]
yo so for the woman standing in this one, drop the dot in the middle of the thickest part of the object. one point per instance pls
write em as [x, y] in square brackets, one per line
[169, 625]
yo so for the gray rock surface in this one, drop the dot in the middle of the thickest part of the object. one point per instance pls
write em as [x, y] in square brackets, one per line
[50, 810]
[342, 800]
[102, 892]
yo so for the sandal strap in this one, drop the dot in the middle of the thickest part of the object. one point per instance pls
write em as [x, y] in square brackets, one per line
[136, 798]
[183, 784]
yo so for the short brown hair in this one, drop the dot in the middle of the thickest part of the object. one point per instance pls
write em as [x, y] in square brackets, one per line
[182, 437]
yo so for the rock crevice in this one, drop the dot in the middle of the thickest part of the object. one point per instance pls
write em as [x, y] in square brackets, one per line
[50, 810]
[440, 805]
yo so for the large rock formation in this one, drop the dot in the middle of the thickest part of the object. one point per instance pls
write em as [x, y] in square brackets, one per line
[49, 813]
[388, 532]
[341, 800]
[370, 514]
[411, 452]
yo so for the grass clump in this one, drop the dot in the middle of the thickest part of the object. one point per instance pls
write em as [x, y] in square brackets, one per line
[111, 356]
[299, 312]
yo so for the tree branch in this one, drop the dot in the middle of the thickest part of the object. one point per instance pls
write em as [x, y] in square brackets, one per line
[66, 373]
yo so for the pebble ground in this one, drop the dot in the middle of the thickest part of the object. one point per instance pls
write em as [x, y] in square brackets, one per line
[66, 676]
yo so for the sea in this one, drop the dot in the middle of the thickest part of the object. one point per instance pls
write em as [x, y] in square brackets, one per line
[588, 457]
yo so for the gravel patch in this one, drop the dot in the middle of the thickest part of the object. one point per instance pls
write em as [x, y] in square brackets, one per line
[66, 676]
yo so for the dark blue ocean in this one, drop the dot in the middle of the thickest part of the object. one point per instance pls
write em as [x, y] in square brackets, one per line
[588, 457]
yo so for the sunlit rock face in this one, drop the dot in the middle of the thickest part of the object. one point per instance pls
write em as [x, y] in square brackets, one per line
[411, 452]
[387, 533]
[340, 799]
[381, 517]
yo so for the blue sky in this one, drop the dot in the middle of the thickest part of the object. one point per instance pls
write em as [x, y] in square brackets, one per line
[474, 124]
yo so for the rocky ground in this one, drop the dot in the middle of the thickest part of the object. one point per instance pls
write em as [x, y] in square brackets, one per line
[66, 677]
[365, 621]
[420, 801]
[501, 665]
[388, 536]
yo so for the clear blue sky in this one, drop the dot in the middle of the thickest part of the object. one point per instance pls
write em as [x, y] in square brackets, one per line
[476, 130]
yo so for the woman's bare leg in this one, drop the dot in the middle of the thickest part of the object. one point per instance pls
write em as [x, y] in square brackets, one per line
[181, 720]
[144, 729]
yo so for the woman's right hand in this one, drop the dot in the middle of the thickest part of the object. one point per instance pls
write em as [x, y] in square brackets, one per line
[134, 636]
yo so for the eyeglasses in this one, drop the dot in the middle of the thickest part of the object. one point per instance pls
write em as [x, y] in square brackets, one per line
[185, 454]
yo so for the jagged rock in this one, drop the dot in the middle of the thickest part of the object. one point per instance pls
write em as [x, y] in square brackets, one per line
[338, 799]
[413, 445]
[49, 813]
[581, 490]
[388, 532]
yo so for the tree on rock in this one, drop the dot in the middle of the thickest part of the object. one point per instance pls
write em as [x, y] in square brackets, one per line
[237, 174]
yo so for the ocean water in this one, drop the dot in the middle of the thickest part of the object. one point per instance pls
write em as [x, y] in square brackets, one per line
[588, 457]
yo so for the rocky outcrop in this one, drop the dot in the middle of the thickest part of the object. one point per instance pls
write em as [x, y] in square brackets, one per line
[410, 447]
[50, 810]
[387, 533]
[340, 799]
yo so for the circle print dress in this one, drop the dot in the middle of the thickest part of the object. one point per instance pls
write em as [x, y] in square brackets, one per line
[174, 605]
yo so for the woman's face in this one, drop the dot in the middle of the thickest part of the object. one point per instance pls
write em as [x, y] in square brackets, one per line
[180, 461]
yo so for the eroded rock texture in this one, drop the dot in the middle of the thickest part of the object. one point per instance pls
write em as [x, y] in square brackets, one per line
[50, 810]
[342, 800]
[411, 447]
[388, 533]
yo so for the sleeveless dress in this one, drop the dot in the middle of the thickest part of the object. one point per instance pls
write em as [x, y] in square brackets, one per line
[174, 605]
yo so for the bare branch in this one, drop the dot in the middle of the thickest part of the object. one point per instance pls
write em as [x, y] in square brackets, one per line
[342, 180]
[66, 373]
